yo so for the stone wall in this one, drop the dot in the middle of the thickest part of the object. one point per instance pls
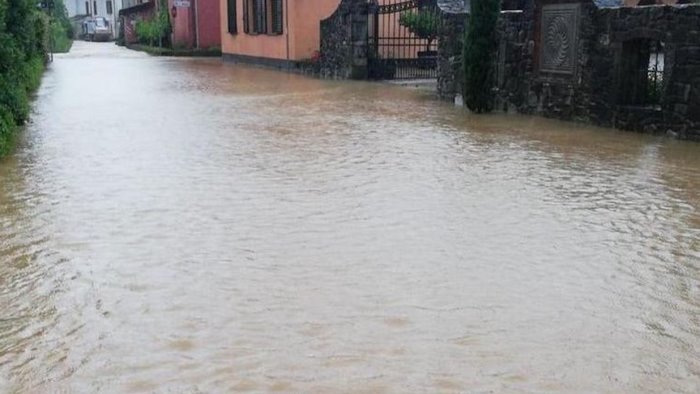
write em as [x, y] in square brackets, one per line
[449, 63]
[344, 42]
[567, 60]
[678, 27]
[513, 61]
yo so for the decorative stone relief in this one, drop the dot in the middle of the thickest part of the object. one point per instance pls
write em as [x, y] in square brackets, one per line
[559, 38]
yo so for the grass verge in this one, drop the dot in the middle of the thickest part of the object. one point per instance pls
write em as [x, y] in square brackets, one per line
[156, 51]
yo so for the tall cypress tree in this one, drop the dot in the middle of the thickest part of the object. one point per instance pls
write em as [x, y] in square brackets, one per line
[478, 48]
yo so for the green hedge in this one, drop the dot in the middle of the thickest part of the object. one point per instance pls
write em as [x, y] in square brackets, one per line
[24, 32]
[61, 28]
[62, 38]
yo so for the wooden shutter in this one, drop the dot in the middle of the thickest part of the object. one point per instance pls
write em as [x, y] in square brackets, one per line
[260, 17]
[277, 16]
[232, 23]
[246, 16]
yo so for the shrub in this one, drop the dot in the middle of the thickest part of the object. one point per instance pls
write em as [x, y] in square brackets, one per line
[423, 24]
[153, 31]
[7, 130]
[23, 42]
[61, 42]
[13, 97]
[478, 48]
[61, 30]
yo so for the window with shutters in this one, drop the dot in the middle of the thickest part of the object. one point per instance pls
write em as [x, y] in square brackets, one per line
[276, 18]
[263, 16]
[232, 23]
[260, 20]
[94, 7]
[87, 8]
[109, 7]
[255, 16]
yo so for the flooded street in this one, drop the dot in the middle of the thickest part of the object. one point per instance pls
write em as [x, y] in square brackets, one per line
[186, 226]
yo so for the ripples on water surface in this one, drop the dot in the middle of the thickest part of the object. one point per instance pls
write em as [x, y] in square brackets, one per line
[178, 225]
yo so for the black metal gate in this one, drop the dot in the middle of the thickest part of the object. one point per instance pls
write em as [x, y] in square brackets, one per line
[403, 39]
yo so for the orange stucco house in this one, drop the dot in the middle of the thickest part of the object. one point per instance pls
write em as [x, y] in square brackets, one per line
[272, 32]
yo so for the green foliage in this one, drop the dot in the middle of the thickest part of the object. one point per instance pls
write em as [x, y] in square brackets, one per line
[23, 43]
[61, 28]
[423, 23]
[152, 32]
[7, 131]
[62, 42]
[478, 48]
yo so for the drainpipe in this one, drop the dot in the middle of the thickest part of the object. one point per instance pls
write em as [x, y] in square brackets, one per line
[286, 24]
[196, 24]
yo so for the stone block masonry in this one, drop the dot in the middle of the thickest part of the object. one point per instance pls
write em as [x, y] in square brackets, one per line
[344, 42]
[633, 68]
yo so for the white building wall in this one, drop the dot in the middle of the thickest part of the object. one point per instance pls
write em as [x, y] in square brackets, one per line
[95, 8]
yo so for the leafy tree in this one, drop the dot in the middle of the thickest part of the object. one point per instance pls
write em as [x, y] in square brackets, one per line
[478, 48]
[59, 17]
[423, 23]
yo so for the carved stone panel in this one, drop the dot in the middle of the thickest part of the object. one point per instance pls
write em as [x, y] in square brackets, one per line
[559, 38]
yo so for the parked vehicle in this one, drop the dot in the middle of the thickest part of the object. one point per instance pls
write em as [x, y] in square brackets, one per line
[96, 29]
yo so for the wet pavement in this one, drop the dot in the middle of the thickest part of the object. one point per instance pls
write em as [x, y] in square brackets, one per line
[181, 225]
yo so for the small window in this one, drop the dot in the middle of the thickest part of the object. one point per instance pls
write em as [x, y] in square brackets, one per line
[232, 23]
[109, 7]
[642, 72]
[94, 9]
[87, 8]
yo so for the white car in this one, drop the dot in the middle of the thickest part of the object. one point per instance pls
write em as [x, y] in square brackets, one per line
[96, 29]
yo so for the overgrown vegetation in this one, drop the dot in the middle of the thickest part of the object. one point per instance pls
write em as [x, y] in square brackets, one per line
[478, 49]
[192, 52]
[155, 31]
[61, 28]
[24, 32]
[423, 23]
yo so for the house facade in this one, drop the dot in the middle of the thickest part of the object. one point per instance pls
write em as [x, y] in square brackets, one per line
[108, 9]
[132, 12]
[273, 32]
[194, 23]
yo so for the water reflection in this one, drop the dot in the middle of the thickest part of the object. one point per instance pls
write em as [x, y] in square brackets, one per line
[193, 226]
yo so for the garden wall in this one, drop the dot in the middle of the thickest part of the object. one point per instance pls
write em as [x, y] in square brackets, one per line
[631, 68]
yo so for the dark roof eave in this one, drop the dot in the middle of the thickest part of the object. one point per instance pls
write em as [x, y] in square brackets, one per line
[136, 8]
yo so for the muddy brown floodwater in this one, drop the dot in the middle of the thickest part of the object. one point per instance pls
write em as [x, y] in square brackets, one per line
[181, 225]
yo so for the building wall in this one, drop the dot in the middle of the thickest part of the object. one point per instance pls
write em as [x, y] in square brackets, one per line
[209, 23]
[77, 7]
[183, 25]
[300, 40]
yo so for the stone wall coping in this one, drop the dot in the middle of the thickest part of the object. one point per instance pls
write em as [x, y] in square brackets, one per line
[454, 6]
[679, 6]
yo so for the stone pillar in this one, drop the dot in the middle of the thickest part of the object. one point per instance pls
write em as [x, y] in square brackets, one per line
[344, 41]
[454, 15]
[449, 65]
